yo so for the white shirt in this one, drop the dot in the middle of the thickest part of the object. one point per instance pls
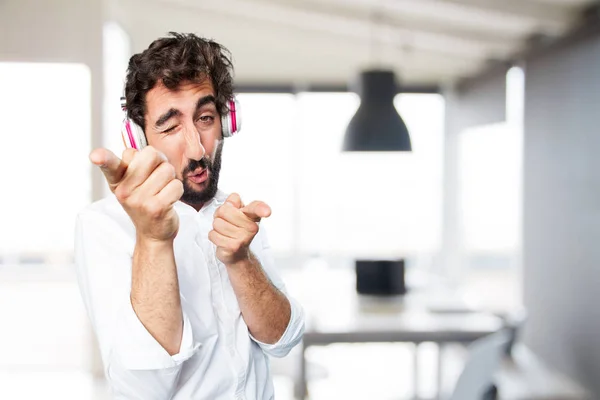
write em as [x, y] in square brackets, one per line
[218, 358]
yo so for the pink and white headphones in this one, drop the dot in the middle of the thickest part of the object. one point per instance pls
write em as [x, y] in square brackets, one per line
[134, 137]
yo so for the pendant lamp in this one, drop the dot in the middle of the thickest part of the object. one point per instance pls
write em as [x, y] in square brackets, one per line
[377, 126]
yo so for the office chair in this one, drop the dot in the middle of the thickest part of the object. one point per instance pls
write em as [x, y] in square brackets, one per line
[476, 381]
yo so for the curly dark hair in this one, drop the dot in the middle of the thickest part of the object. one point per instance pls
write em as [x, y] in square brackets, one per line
[174, 59]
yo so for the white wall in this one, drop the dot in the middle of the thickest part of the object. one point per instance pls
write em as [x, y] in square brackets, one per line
[562, 209]
[62, 31]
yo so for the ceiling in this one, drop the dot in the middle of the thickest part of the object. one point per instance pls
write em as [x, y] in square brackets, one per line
[326, 42]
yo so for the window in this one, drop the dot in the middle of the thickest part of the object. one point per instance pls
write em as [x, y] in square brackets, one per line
[46, 172]
[258, 163]
[490, 171]
[490, 205]
[333, 203]
[116, 51]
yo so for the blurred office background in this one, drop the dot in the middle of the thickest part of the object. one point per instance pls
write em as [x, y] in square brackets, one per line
[495, 211]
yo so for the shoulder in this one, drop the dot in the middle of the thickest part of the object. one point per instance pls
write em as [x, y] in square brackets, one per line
[221, 196]
[106, 212]
[108, 207]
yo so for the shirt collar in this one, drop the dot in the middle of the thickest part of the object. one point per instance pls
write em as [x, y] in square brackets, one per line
[208, 208]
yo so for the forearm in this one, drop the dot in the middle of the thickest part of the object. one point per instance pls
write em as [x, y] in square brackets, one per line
[264, 308]
[155, 292]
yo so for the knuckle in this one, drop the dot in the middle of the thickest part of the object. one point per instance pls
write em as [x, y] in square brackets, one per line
[162, 170]
[178, 186]
[132, 205]
[122, 193]
[150, 154]
[153, 209]
[169, 168]
[253, 228]
[155, 155]
[212, 236]
[128, 154]
[237, 246]
[149, 150]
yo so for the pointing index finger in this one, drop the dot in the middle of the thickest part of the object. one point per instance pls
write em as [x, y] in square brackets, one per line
[257, 210]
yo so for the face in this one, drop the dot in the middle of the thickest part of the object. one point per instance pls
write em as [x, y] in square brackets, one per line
[185, 126]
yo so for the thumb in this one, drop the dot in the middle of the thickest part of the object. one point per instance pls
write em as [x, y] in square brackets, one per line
[112, 166]
[257, 210]
[235, 200]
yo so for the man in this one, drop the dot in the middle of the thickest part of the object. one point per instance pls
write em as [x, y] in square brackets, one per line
[175, 275]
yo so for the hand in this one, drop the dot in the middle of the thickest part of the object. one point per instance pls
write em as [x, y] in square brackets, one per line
[144, 183]
[234, 227]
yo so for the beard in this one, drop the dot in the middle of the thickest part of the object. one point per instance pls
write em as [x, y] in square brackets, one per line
[195, 197]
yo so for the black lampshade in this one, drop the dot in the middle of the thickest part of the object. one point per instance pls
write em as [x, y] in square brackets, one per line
[377, 126]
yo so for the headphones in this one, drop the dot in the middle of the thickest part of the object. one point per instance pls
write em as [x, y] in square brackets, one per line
[134, 137]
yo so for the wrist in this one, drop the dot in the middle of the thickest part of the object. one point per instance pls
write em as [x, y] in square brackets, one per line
[150, 243]
[241, 262]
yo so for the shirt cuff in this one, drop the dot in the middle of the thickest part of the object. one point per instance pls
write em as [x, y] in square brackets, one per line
[292, 335]
[137, 349]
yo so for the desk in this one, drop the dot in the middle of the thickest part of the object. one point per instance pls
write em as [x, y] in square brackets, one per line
[340, 315]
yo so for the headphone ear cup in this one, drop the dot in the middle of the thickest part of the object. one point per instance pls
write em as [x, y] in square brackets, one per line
[225, 125]
[139, 135]
[237, 116]
[231, 122]
[133, 136]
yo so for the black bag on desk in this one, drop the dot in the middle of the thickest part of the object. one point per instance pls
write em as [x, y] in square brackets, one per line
[380, 277]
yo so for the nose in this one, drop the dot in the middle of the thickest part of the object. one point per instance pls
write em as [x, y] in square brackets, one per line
[193, 146]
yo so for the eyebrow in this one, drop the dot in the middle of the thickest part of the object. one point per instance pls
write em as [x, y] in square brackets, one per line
[167, 116]
[202, 101]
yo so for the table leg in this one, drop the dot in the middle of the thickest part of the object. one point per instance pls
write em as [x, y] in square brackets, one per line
[301, 389]
[440, 371]
[416, 372]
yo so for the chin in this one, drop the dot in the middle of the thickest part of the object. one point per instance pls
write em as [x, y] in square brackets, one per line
[199, 187]
[198, 193]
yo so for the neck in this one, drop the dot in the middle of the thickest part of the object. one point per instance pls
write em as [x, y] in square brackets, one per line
[197, 206]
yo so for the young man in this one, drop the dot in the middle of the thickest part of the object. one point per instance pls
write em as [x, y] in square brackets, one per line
[175, 275]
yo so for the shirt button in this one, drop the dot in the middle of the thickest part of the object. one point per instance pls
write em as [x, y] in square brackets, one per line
[231, 351]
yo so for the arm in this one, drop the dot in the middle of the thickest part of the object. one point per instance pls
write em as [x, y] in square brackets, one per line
[155, 292]
[144, 184]
[265, 309]
[275, 321]
[133, 299]
[136, 365]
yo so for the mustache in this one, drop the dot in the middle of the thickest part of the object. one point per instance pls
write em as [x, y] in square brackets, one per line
[193, 165]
